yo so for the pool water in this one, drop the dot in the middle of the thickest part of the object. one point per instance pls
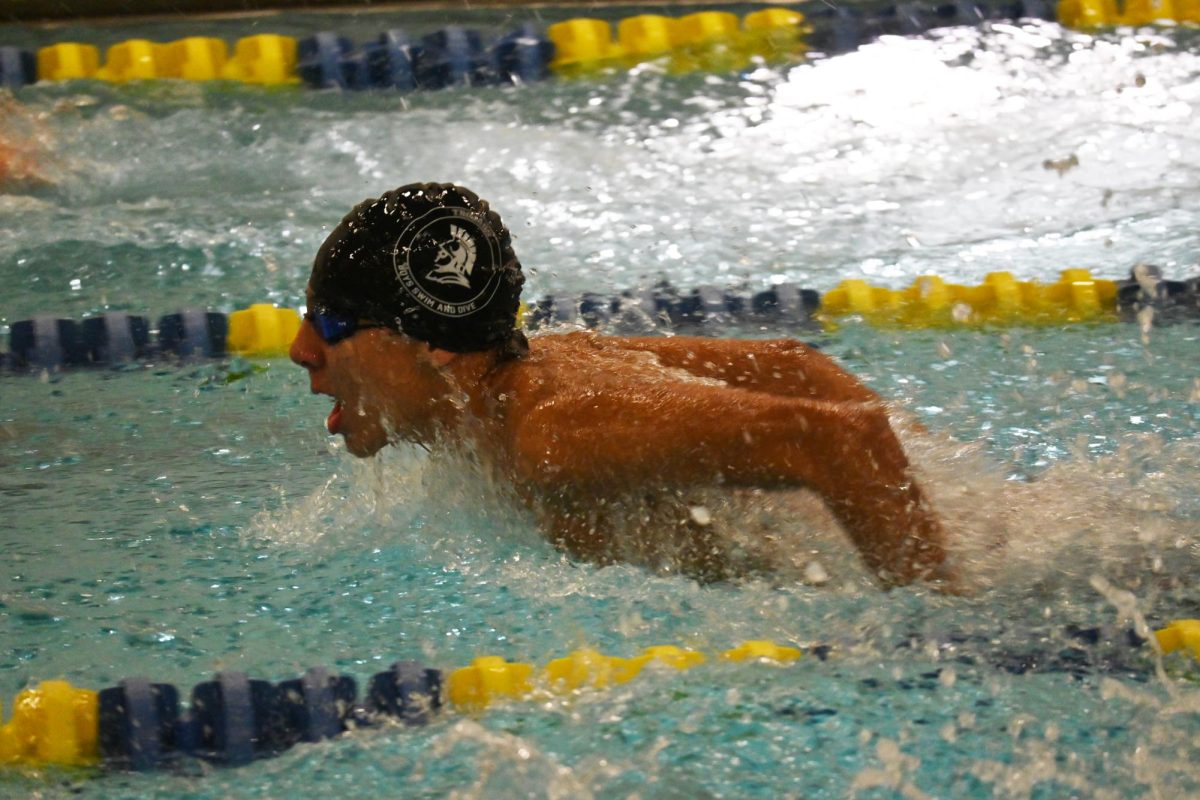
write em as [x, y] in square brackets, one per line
[172, 520]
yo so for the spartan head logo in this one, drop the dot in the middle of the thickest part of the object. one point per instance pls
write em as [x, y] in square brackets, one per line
[448, 261]
[454, 260]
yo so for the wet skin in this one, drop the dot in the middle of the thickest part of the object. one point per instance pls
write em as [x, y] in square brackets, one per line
[21, 135]
[584, 420]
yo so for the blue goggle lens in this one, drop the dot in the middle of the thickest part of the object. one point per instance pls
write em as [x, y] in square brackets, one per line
[335, 327]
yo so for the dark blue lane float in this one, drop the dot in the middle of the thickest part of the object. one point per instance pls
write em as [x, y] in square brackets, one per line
[137, 721]
[390, 61]
[46, 342]
[328, 61]
[18, 67]
[116, 337]
[408, 692]
[1146, 291]
[193, 333]
[452, 56]
[522, 56]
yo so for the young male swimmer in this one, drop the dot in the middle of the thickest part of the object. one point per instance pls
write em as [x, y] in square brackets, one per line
[411, 328]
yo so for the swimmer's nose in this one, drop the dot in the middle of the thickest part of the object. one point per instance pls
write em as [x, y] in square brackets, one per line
[307, 347]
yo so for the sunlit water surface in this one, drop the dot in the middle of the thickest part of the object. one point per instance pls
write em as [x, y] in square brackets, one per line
[170, 520]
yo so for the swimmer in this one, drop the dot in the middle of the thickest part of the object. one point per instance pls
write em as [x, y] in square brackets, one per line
[411, 328]
[21, 137]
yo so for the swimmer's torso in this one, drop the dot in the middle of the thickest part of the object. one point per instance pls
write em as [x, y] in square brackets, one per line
[602, 437]
[632, 402]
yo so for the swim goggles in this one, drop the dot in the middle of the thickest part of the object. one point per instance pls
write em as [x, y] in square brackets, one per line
[332, 328]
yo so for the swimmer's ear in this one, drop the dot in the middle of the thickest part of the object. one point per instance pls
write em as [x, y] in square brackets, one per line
[441, 358]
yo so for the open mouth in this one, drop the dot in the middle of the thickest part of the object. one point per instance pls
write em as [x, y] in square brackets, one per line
[334, 421]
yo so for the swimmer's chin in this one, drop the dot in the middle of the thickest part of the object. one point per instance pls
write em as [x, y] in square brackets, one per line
[367, 443]
[363, 449]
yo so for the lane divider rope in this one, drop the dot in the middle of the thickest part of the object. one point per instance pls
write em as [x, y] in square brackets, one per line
[233, 720]
[53, 342]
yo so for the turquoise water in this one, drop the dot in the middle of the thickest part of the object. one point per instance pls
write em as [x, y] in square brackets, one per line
[172, 520]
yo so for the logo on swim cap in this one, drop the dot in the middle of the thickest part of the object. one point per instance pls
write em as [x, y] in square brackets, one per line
[446, 260]
[455, 259]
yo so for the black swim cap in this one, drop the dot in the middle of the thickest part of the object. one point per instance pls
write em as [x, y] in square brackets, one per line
[429, 260]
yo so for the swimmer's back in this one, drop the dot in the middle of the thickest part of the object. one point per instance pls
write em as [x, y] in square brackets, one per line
[610, 413]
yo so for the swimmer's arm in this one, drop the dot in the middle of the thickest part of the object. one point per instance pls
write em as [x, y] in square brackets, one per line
[846, 452]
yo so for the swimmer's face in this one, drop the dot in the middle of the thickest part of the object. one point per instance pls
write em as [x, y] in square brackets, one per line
[378, 380]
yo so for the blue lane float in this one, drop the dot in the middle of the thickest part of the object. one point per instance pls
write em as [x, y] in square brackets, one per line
[18, 67]
[46, 342]
[317, 705]
[452, 56]
[232, 721]
[328, 61]
[390, 61]
[193, 333]
[137, 721]
[1147, 290]
[116, 337]
[522, 56]
[408, 692]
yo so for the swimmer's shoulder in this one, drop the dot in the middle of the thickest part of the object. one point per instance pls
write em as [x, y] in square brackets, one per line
[711, 354]
[549, 348]
[571, 366]
[590, 346]
[554, 362]
[700, 355]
